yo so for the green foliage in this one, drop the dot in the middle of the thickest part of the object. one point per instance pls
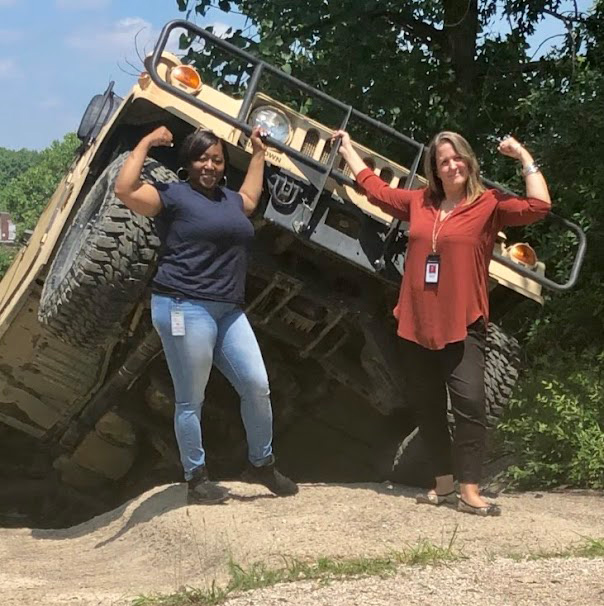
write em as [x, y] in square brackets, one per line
[28, 179]
[27, 194]
[555, 422]
[13, 163]
[7, 254]
[420, 66]
[569, 145]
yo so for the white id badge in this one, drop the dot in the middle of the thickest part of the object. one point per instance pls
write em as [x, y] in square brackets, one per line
[432, 269]
[178, 322]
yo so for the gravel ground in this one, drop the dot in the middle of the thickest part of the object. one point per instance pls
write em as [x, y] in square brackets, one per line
[157, 543]
[501, 582]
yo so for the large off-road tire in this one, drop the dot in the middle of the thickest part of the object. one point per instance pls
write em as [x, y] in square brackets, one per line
[502, 361]
[412, 462]
[103, 263]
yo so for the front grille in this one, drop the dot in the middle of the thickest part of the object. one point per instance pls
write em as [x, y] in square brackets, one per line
[326, 151]
[344, 167]
[310, 142]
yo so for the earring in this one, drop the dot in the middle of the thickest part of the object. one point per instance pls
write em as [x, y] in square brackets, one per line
[183, 174]
[224, 181]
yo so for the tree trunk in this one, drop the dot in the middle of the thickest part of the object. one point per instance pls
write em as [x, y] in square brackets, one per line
[460, 30]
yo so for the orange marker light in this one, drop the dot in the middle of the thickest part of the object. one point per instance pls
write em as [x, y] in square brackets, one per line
[187, 75]
[523, 253]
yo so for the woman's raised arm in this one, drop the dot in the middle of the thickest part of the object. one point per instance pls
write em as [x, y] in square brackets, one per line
[142, 198]
[396, 202]
[251, 188]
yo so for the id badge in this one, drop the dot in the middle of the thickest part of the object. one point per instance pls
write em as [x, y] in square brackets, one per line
[177, 318]
[432, 269]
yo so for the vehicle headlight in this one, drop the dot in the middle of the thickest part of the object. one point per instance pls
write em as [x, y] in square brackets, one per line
[273, 121]
[523, 253]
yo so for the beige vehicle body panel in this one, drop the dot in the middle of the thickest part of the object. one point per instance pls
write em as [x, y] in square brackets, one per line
[48, 405]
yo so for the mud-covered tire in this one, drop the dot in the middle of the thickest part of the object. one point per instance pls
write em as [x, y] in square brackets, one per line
[102, 264]
[502, 361]
[411, 463]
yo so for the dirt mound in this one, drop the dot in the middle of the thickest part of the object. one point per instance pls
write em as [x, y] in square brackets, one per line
[158, 543]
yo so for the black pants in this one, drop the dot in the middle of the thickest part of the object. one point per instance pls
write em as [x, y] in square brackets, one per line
[460, 368]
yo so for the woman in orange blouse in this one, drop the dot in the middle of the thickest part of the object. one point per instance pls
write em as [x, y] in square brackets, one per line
[443, 306]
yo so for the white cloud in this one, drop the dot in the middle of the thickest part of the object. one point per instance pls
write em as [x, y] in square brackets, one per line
[81, 4]
[10, 36]
[120, 40]
[8, 68]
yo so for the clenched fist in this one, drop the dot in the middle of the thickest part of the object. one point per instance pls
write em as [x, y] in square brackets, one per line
[160, 136]
[510, 147]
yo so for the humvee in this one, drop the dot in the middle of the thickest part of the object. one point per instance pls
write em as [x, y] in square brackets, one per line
[85, 396]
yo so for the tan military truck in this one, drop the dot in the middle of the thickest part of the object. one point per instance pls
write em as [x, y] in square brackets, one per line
[85, 396]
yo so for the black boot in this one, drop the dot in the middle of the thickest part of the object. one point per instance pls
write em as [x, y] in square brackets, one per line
[201, 490]
[268, 476]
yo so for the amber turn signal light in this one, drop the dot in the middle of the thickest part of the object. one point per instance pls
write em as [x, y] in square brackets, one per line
[187, 75]
[523, 253]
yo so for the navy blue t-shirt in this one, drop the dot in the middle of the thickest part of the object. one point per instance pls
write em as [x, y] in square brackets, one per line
[204, 244]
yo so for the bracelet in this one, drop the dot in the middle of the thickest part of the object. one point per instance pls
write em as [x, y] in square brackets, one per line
[530, 169]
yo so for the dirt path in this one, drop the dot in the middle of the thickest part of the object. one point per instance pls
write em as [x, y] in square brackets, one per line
[156, 543]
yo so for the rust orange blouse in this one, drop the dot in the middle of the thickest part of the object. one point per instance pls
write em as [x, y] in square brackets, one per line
[436, 314]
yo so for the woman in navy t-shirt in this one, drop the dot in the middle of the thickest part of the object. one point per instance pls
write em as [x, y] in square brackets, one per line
[197, 295]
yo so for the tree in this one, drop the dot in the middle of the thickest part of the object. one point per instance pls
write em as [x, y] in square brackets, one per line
[26, 195]
[15, 162]
[417, 65]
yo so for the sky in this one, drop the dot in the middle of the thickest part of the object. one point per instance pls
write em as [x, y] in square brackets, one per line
[55, 55]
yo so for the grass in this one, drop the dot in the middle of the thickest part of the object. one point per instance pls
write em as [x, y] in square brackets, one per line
[591, 548]
[588, 548]
[324, 569]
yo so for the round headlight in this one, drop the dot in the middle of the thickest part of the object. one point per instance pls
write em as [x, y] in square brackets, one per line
[273, 121]
[524, 254]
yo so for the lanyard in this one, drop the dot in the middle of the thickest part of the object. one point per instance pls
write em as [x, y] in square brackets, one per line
[436, 232]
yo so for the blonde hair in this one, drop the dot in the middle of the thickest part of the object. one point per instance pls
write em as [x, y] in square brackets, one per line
[474, 186]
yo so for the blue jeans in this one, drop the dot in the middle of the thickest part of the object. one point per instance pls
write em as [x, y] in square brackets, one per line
[215, 333]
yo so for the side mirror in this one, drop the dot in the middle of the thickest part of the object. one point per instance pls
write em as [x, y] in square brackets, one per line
[98, 112]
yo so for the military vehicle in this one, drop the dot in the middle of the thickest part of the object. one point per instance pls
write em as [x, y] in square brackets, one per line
[85, 396]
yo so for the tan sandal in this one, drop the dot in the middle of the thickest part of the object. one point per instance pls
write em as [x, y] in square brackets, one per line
[485, 510]
[431, 498]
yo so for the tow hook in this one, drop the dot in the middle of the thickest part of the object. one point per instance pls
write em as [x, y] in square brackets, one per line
[284, 191]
